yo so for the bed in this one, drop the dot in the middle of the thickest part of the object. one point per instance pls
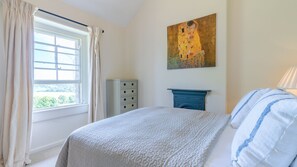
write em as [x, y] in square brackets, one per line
[261, 131]
[156, 136]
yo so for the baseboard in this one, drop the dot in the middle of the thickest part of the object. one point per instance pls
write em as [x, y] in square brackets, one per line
[42, 153]
[47, 147]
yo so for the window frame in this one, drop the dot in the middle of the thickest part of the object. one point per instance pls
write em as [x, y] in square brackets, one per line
[48, 27]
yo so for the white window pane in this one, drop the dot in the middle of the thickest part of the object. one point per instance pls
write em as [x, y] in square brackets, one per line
[44, 65]
[44, 56]
[67, 67]
[66, 43]
[55, 95]
[45, 38]
[44, 74]
[68, 75]
[57, 69]
[44, 47]
[67, 51]
[68, 59]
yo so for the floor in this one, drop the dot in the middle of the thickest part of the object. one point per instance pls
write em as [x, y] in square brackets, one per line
[50, 162]
[46, 158]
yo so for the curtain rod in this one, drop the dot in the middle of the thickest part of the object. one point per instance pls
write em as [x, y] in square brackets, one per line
[73, 21]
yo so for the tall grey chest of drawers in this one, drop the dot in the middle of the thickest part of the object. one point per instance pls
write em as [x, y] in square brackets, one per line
[121, 95]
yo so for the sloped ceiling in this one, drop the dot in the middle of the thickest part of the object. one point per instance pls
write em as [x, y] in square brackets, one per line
[119, 12]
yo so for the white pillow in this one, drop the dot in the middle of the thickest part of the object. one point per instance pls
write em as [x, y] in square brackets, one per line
[273, 93]
[245, 105]
[294, 163]
[268, 135]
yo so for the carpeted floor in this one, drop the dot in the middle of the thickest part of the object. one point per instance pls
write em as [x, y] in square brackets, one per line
[50, 162]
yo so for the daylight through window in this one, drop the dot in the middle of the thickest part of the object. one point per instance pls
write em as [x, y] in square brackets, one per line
[57, 69]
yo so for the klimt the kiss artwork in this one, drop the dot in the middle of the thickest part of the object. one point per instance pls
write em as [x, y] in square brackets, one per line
[192, 44]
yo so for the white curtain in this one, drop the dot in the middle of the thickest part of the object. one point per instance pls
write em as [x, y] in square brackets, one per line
[18, 52]
[2, 74]
[96, 109]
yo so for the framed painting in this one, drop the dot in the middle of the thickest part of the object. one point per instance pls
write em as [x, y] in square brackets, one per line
[192, 44]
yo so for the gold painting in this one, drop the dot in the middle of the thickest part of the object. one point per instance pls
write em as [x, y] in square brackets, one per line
[192, 44]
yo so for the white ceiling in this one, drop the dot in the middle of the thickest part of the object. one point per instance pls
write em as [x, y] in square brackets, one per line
[119, 12]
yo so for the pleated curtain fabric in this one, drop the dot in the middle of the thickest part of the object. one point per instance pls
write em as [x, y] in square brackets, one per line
[96, 108]
[2, 76]
[18, 53]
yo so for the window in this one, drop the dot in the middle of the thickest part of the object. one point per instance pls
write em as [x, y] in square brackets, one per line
[59, 67]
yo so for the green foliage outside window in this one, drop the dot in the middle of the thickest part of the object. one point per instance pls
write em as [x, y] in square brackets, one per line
[49, 102]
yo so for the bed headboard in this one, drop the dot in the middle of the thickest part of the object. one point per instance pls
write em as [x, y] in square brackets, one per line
[189, 99]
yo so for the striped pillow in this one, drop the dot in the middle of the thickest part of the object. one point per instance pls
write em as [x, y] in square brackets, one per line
[294, 163]
[272, 93]
[245, 105]
[268, 135]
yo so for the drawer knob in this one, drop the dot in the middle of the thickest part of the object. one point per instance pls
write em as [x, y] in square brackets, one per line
[124, 84]
[132, 91]
[125, 99]
[124, 91]
[132, 84]
[125, 107]
[132, 105]
[132, 98]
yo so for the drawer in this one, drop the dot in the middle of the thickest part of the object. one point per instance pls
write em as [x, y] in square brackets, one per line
[130, 99]
[134, 106]
[128, 107]
[128, 92]
[128, 84]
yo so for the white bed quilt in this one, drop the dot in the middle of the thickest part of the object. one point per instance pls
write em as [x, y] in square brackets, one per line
[148, 137]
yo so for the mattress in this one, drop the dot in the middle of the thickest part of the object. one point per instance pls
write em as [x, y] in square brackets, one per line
[156, 136]
[220, 154]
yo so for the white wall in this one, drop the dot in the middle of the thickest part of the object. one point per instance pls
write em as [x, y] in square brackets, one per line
[262, 40]
[52, 132]
[146, 49]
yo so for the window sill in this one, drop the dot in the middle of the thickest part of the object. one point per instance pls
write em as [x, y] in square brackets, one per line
[57, 113]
